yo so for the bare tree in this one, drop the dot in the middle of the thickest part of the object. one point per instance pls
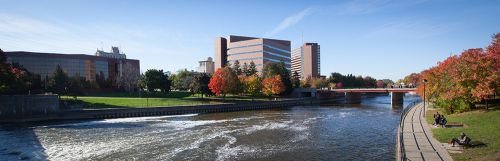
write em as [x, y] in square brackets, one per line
[130, 77]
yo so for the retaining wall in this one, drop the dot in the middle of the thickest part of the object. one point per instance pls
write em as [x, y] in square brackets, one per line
[27, 106]
[159, 111]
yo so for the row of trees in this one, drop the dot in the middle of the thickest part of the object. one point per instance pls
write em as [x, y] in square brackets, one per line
[338, 80]
[274, 80]
[460, 81]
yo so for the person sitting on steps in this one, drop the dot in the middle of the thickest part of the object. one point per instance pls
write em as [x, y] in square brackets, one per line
[442, 121]
[436, 118]
[463, 140]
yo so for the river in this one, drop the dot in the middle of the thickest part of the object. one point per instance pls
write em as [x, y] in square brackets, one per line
[329, 132]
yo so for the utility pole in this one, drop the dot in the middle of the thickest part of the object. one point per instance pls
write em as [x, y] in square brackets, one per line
[424, 81]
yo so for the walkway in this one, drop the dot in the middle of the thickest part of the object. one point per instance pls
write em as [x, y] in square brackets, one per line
[417, 138]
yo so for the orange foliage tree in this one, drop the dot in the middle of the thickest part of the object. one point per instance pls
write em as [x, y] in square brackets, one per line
[459, 82]
[272, 85]
[224, 81]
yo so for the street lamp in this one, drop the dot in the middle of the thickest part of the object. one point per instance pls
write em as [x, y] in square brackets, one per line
[424, 81]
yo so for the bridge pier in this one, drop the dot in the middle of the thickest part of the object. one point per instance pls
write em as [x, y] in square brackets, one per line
[397, 99]
[352, 97]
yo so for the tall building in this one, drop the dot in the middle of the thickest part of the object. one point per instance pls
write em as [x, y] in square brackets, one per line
[207, 66]
[306, 60]
[88, 66]
[251, 49]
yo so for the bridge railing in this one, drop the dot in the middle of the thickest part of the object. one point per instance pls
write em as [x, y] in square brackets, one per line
[401, 149]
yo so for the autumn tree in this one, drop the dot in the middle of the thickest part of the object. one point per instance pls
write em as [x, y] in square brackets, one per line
[319, 83]
[252, 84]
[271, 69]
[272, 85]
[224, 81]
[460, 81]
[380, 84]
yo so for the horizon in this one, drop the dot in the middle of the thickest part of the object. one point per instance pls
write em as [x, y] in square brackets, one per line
[356, 37]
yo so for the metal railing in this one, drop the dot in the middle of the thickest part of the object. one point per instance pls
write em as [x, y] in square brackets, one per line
[401, 149]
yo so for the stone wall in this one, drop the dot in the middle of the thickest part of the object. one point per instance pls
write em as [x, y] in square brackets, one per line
[26, 106]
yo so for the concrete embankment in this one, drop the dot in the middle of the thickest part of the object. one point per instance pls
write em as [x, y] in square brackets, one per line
[174, 110]
[415, 141]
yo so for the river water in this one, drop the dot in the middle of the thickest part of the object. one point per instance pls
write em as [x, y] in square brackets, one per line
[334, 132]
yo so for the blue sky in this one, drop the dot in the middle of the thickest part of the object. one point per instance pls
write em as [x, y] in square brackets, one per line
[380, 38]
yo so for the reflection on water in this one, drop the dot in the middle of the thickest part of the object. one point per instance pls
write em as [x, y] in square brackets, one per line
[361, 132]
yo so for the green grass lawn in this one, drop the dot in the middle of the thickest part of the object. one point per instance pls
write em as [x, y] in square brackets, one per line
[171, 94]
[152, 99]
[481, 125]
[113, 102]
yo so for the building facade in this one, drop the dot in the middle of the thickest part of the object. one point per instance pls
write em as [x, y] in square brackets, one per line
[206, 66]
[251, 49]
[88, 66]
[306, 60]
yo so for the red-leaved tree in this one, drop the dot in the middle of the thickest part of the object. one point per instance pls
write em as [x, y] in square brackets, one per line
[224, 81]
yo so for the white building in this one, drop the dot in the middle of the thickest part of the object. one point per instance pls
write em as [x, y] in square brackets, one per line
[207, 66]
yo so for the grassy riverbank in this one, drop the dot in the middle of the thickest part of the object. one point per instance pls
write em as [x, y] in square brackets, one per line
[136, 100]
[113, 102]
[481, 126]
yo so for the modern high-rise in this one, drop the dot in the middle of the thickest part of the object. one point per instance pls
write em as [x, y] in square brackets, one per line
[306, 60]
[88, 66]
[207, 66]
[250, 49]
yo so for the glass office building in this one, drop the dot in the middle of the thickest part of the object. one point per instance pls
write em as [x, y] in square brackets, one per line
[44, 64]
[250, 49]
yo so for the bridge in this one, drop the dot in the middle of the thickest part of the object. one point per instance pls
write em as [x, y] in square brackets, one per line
[353, 96]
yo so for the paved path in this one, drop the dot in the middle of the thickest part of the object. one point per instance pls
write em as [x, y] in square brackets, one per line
[417, 138]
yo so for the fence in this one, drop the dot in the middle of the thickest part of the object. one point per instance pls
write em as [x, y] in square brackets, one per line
[401, 149]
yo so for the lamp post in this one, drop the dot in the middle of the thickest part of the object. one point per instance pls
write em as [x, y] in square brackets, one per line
[424, 81]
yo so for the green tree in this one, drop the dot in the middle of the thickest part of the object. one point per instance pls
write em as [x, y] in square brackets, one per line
[182, 79]
[200, 84]
[296, 80]
[245, 69]
[75, 86]
[252, 69]
[59, 83]
[237, 68]
[156, 80]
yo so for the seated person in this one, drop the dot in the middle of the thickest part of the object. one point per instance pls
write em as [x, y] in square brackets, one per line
[436, 118]
[463, 140]
[442, 121]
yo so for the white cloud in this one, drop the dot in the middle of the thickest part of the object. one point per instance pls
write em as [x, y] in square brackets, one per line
[360, 7]
[289, 21]
[410, 29]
